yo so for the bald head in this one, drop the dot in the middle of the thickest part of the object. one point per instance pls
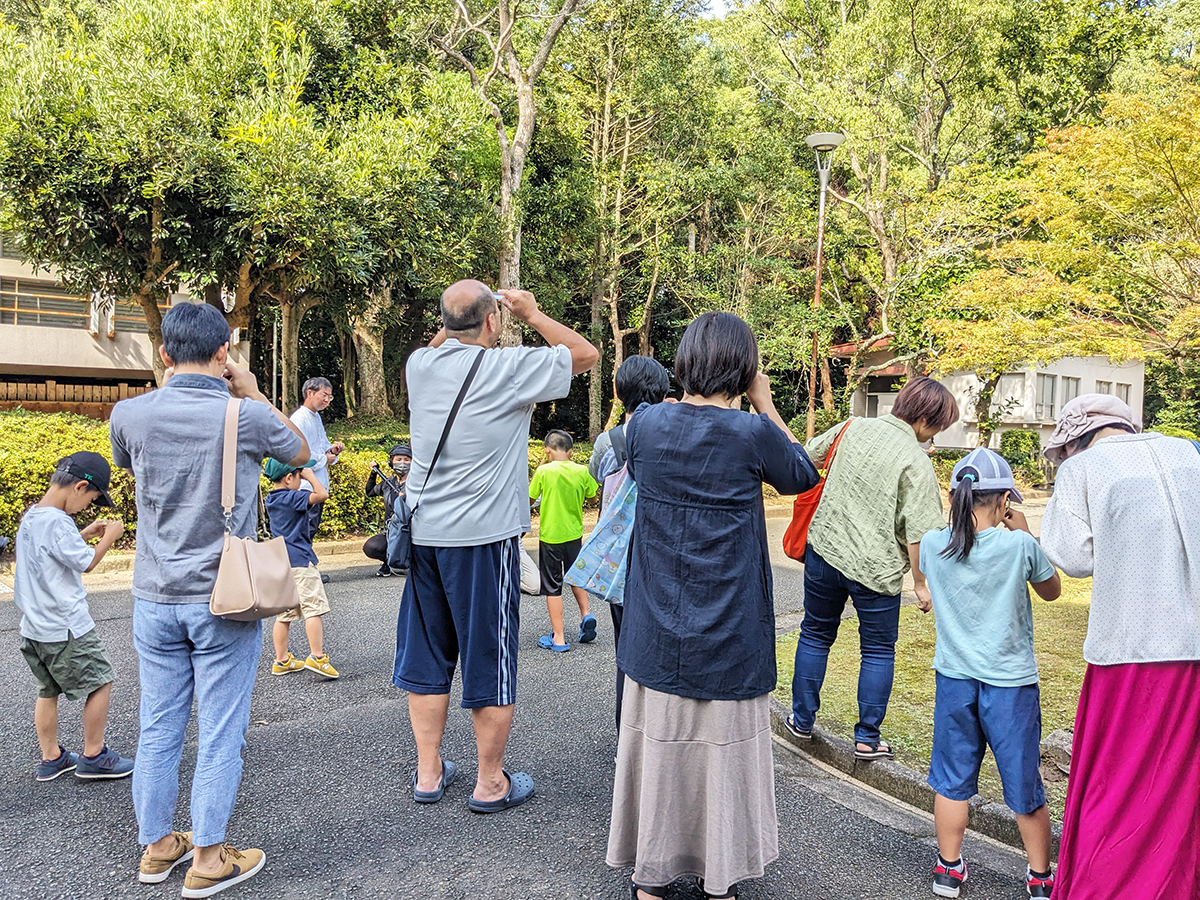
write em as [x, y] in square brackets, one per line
[465, 307]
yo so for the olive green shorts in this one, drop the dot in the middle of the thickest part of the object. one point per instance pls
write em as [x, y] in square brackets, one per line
[74, 668]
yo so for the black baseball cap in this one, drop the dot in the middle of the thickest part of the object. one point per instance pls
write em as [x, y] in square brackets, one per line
[92, 468]
[401, 450]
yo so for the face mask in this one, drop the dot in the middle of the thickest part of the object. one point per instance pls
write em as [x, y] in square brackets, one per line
[401, 468]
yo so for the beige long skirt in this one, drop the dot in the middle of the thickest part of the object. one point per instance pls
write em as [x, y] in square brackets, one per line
[695, 790]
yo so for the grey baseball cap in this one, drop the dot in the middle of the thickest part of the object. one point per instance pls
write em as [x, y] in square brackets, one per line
[988, 470]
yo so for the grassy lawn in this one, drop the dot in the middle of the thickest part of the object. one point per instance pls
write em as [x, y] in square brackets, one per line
[1059, 629]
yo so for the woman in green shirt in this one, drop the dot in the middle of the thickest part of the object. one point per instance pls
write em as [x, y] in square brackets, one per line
[881, 496]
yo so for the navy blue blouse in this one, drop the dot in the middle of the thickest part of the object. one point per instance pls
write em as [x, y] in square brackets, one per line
[699, 615]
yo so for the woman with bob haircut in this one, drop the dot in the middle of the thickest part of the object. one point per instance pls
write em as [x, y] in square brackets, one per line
[881, 497]
[695, 790]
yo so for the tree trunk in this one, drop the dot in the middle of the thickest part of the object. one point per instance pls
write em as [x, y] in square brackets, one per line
[596, 376]
[292, 307]
[826, 384]
[367, 333]
[983, 410]
[349, 364]
[149, 304]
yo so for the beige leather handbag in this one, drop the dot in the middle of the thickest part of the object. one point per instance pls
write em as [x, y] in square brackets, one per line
[255, 579]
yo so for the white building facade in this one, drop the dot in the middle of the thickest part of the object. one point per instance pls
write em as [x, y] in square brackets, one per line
[1028, 398]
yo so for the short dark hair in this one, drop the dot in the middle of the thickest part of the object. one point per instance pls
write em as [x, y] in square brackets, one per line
[559, 440]
[718, 355]
[316, 383]
[470, 319]
[63, 478]
[641, 379]
[193, 332]
[923, 399]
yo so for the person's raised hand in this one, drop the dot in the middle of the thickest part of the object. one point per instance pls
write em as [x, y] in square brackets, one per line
[521, 304]
[337, 448]
[94, 530]
[759, 393]
[242, 382]
[924, 598]
[1014, 520]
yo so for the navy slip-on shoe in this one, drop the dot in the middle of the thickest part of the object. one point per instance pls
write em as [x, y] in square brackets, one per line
[520, 789]
[449, 773]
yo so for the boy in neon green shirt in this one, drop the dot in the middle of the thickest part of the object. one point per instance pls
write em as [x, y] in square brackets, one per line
[562, 485]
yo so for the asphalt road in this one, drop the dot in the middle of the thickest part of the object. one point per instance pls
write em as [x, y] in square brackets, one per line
[326, 790]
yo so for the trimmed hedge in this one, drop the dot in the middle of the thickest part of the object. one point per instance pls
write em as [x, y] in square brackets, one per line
[1172, 431]
[30, 446]
[31, 443]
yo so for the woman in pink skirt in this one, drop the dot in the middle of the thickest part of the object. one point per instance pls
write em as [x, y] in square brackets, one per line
[1126, 511]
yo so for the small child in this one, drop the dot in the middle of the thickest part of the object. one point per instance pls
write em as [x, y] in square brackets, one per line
[562, 485]
[987, 675]
[287, 511]
[58, 636]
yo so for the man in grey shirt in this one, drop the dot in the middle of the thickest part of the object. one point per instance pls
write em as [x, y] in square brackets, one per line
[171, 441]
[463, 587]
[318, 393]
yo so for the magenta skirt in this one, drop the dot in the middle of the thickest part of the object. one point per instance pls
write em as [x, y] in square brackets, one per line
[1131, 826]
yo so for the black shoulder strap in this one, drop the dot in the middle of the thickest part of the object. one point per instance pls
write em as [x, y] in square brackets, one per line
[462, 392]
[620, 449]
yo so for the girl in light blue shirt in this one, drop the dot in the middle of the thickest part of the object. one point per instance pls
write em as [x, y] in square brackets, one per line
[978, 571]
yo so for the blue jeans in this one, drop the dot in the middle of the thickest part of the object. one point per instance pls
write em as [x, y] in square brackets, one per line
[185, 651]
[825, 593]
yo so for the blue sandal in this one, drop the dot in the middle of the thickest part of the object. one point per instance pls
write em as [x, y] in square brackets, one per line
[449, 773]
[546, 642]
[520, 789]
[587, 629]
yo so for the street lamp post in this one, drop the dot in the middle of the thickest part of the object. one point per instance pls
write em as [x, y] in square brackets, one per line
[823, 143]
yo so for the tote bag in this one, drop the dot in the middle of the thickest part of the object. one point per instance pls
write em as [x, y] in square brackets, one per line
[795, 539]
[254, 579]
[602, 563]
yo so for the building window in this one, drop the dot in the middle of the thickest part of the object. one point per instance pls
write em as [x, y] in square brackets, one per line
[1044, 403]
[1103, 387]
[26, 301]
[1070, 389]
[1123, 392]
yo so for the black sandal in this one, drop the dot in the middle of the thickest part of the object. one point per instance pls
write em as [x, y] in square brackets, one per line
[878, 750]
[732, 895]
[652, 891]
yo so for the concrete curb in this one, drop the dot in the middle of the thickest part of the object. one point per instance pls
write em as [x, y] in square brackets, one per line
[995, 820]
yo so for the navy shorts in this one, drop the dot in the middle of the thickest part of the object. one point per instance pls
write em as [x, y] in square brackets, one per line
[461, 602]
[968, 717]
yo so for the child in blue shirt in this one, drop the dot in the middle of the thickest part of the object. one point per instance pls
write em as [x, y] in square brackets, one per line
[287, 511]
[987, 676]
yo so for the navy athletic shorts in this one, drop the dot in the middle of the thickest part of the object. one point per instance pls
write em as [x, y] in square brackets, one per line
[461, 602]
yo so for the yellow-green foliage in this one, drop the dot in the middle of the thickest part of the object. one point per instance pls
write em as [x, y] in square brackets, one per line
[31, 444]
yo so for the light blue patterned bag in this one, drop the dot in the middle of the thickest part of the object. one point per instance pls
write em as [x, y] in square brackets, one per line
[602, 562]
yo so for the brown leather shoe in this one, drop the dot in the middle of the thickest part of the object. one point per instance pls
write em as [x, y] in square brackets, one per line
[236, 867]
[154, 869]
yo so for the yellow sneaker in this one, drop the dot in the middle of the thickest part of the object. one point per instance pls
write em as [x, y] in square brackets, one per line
[287, 667]
[321, 666]
[236, 867]
[154, 869]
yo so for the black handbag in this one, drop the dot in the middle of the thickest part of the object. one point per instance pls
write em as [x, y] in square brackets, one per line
[399, 528]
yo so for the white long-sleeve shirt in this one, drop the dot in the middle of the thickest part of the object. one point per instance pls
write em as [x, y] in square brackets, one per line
[313, 429]
[1126, 511]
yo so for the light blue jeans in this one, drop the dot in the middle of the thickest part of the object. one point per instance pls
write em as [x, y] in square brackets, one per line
[185, 651]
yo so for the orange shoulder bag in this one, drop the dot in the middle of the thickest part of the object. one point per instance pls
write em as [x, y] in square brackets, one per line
[795, 539]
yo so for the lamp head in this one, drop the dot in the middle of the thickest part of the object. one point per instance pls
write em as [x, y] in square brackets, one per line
[824, 141]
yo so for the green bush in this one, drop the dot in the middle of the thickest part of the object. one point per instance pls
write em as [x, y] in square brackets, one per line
[1023, 451]
[30, 446]
[825, 419]
[1172, 431]
[944, 462]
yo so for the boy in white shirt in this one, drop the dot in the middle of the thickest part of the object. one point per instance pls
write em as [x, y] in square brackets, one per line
[58, 636]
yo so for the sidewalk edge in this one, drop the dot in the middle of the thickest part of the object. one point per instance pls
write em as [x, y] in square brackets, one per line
[995, 820]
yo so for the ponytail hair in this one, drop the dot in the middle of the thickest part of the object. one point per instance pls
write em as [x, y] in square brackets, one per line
[963, 501]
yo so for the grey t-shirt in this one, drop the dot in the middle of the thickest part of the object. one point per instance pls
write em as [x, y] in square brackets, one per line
[479, 492]
[172, 439]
